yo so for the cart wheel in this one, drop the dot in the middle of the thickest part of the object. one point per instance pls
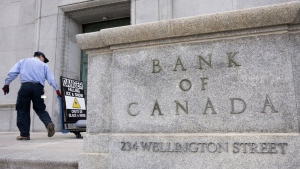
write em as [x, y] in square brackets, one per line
[77, 134]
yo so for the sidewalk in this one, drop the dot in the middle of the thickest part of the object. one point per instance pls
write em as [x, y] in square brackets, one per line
[62, 151]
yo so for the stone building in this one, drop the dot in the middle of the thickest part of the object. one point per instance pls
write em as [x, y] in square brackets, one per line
[50, 26]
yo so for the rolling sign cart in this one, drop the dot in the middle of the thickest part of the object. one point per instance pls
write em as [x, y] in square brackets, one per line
[72, 106]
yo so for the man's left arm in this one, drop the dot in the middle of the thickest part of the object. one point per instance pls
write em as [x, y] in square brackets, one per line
[51, 80]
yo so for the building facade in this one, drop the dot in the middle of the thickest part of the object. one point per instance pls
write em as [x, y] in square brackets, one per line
[50, 26]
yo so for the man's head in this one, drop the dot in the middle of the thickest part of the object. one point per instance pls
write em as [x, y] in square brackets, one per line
[41, 56]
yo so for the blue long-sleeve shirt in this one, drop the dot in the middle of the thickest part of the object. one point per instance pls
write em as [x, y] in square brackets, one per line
[31, 70]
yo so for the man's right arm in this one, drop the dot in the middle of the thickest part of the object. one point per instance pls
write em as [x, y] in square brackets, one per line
[13, 73]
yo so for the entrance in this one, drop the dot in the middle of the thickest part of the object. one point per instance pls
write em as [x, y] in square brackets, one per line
[94, 27]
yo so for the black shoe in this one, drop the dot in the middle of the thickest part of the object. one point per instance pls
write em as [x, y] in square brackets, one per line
[23, 138]
[50, 129]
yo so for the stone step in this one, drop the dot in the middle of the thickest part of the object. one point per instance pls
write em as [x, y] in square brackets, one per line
[60, 151]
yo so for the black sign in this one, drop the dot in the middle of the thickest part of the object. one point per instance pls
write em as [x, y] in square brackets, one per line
[73, 99]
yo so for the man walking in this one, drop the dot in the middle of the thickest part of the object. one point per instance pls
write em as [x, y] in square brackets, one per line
[33, 73]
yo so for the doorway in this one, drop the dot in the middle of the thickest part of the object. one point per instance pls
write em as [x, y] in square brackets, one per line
[94, 27]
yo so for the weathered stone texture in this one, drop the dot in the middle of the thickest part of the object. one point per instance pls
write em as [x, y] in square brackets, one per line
[227, 79]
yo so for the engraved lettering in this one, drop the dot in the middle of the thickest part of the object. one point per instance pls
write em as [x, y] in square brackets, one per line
[177, 147]
[263, 147]
[178, 62]
[221, 147]
[128, 110]
[202, 147]
[156, 107]
[212, 147]
[209, 105]
[282, 146]
[203, 82]
[205, 61]
[236, 148]
[156, 67]
[232, 105]
[195, 149]
[161, 149]
[245, 147]
[185, 85]
[253, 148]
[185, 109]
[146, 145]
[231, 61]
[272, 148]
[186, 148]
[126, 146]
[268, 102]
[135, 146]
[155, 147]
[169, 147]
[123, 146]
[129, 146]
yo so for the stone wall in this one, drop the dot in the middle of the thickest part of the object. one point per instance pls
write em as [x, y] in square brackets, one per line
[144, 11]
[28, 26]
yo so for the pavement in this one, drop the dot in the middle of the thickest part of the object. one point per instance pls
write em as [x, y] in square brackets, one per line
[62, 151]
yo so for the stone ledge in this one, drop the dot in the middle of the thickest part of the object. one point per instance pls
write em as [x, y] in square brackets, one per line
[86, 5]
[38, 164]
[280, 14]
[12, 106]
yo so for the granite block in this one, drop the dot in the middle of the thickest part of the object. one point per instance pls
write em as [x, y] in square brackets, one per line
[96, 143]
[210, 91]
[145, 94]
[99, 97]
[205, 151]
[94, 161]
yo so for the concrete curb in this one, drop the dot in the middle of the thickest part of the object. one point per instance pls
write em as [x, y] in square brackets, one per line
[41, 152]
[10, 162]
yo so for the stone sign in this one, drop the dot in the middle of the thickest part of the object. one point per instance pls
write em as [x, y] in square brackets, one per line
[211, 91]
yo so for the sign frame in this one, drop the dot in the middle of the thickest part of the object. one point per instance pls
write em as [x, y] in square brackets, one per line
[73, 100]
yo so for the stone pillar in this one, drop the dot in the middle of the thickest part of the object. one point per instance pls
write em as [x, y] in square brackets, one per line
[197, 92]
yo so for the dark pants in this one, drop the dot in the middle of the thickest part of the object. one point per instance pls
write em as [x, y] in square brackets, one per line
[27, 93]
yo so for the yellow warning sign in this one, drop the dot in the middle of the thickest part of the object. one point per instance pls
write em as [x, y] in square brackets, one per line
[76, 104]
